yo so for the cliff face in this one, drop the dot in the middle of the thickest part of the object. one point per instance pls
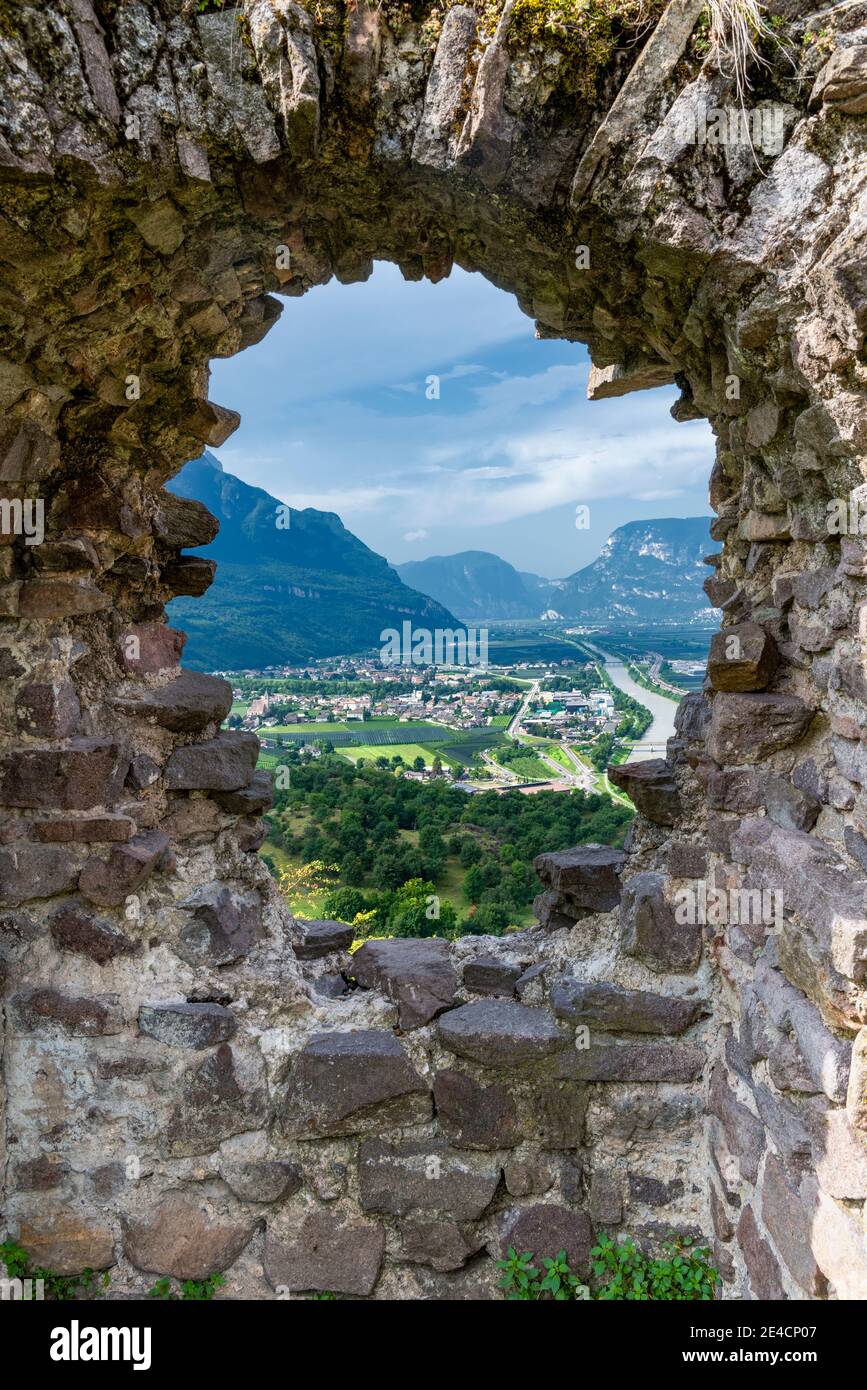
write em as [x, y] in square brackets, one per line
[165, 173]
[286, 594]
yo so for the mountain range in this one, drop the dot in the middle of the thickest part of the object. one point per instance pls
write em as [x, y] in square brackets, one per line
[648, 572]
[293, 586]
[287, 593]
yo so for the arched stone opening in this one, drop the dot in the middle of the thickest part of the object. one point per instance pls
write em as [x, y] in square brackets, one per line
[166, 173]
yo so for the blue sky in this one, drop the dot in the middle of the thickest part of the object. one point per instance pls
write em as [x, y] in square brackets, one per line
[335, 415]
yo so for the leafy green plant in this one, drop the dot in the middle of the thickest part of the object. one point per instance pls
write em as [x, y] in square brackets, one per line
[59, 1288]
[560, 1282]
[519, 1274]
[622, 1273]
[192, 1290]
[14, 1258]
[680, 1274]
[523, 1282]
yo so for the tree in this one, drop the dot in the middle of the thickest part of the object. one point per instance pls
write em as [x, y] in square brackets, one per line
[344, 904]
[305, 878]
[419, 763]
[474, 884]
[470, 852]
[352, 868]
[491, 919]
[389, 869]
[432, 846]
[418, 911]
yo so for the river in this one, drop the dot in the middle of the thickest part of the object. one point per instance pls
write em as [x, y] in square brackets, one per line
[652, 744]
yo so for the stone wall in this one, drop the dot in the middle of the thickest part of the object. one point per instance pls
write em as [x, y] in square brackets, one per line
[189, 1083]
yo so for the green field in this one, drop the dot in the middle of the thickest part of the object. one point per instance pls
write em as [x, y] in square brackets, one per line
[269, 758]
[467, 742]
[529, 766]
[373, 733]
[369, 752]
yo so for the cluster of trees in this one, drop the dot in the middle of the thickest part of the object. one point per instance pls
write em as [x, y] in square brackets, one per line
[584, 678]
[635, 719]
[354, 818]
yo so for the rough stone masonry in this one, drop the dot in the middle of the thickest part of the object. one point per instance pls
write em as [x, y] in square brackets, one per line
[189, 1083]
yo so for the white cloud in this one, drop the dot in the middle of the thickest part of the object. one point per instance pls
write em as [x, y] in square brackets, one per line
[335, 417]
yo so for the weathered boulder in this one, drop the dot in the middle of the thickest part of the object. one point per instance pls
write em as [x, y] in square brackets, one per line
[74, 928]
[763, 1269]
[687, 859]
[491, 975]
[545, 1230]
[40, 1174]
[651, 787]
[473, 1116]
[81, 1015]
[443, 94]
[555, 1114]
[742, 657]
[420, 1175]
[743, 1130]
[837, 1241]
[500, 1033]
[322, 938]
[182, 1240]
[613, 1008]
[326, 1253]
[188, 703]
[261, 1180]
[181, 522]
[60, 598]
[214, 1105]
[650, 929]
[840, 1157]
[635, 1062]
[554, 913]
[352, 1083]
[417, 974]
[187, 1025]
[442, 1245]
[87, 772]
[826, 1058]
[224, 927]
[147, 648]
[831, 904]
[225, 763]
[747, 728]
[856, 1096]
[787, 1215]
[842, 82]
[190, 575]
[48, 709]
[58, 1239]
[72, 829]
[109, 882]
[588, 875]
[30, 871]
[250, 800]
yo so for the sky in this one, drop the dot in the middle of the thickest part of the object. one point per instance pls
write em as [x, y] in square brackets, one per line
[339, 413]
